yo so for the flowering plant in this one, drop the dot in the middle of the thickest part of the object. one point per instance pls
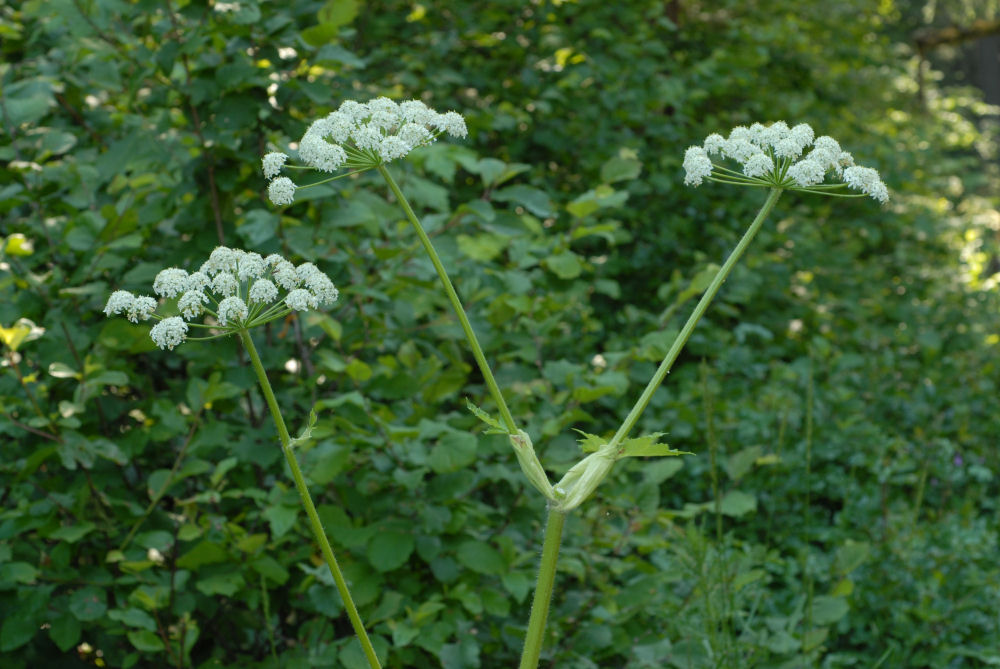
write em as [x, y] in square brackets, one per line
[369, 135]
[774, 157]
[361, 136]
[237, 289]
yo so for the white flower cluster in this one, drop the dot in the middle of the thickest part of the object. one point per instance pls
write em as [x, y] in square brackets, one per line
[362, 135]
[243, 286]
[775, 155]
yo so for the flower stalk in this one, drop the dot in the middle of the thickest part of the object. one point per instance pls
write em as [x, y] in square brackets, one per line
[307, 503]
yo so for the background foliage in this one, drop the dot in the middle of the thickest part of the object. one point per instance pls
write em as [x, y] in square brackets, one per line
[840, 396]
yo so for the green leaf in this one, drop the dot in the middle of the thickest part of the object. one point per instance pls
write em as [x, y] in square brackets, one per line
[88, 603]
[453, 451]
[483, 247]
[495, 426]
[17, 572]
[738, 464]
[565, 265]
[590, 442]
[620, 168]
[534, 200]
[646, 446]
[358, 370]
[204, 552]
[133, 617]
[146, 641]
[306, 434]
[480, 557]
[17, 630]
[61, 370]
[270, 569]
[72, 533]
[737, 504]
[281, 518]
[338, 12]
[390, 549]
[65, 632]
[226, 584]
[851, 555]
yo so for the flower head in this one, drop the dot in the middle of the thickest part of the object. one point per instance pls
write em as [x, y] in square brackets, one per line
[776, 156]
[238, 289]
[361, 136]
[281, 191]
[272, 164]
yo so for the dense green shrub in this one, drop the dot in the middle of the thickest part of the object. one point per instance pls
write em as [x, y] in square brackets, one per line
[839, 396]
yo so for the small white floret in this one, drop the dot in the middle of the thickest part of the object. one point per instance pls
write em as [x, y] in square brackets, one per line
[232, 310]
[866, 180]
[272, 164]
[120, 300]
[170, 282]
[263, 292]
[697, 166]
[758, 165]
[169, 332]
[807, 172]
[281, 191]
[301, 299]
[191, 304]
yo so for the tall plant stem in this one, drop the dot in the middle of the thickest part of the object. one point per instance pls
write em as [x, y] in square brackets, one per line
[307, 503]
[456, 303]
[696, 315]
[535, 637]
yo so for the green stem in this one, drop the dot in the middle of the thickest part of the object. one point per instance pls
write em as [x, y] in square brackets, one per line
[696, 315]
[456, 303]
[307, 503]
[535, 637]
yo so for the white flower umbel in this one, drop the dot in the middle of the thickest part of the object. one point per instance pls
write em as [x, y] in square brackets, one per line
[237, 289]
[777, 156]
[361, 136]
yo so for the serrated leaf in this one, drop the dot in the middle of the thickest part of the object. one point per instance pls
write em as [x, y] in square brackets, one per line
[306, 433]
[647, 446]
[590, 442]
[495, 426]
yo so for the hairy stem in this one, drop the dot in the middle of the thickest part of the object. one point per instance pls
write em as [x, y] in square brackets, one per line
[307, 503]
[535, 636]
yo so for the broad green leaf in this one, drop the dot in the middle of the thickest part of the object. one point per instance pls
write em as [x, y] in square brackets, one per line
[72, 533]
[453, 451]
[281, 518]
[270, 569]
[532, 199]
[88, 603]
[480, 557]
[738, 464]
[851, 555]
[17, 630]
[226, 584]
[204, 552]
[146, 641]
[65, 631]
[18, 572]
[133, 617]
[621, 168]
[736, 504]
[565, 265]
[390, 549]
